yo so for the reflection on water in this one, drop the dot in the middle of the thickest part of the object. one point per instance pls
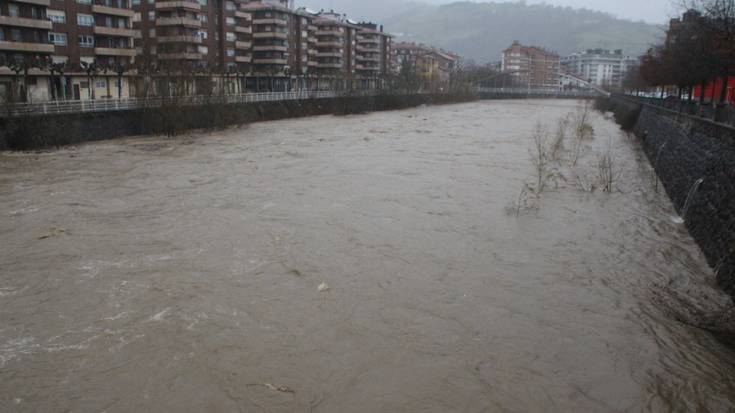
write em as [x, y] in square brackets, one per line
[184, 275]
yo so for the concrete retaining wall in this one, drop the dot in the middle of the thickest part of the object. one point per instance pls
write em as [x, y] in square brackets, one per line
[684, 149]
[35, 132]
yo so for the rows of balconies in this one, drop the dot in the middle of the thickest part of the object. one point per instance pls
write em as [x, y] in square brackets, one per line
[244, 29]
[270, 61]
[46, 3]
[329, 44]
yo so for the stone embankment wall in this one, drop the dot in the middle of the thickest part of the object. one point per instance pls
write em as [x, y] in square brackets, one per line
[41, 131]
[684, 149]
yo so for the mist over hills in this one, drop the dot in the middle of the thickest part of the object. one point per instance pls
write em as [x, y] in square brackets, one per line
[481, 31]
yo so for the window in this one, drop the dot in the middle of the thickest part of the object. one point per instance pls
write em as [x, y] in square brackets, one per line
[86, 41]
[56, 16]
[151, 32]
[2, 34]
[101, 83]
[136, 2]
[13, 10]
[203, 18]
[84, 1]
[59, 59]
[151, 15]
[230, 21]
[203, 2]
[203, 49]
[85, 20]
[58, 39]
[230, 52]
[16, 35]
[230, 5]
[136, 17]
[36, 13]
[230, 37]
[202, 34]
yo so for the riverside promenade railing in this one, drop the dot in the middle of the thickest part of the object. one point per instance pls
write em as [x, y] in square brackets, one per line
[541, 92]
[724, 114]
[107, 105]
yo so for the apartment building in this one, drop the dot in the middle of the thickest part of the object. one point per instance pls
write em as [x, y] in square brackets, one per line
[600, 67]
[97, 49]
[532, 66]
[373, 53]
[72, 37]
[24, 34]
[434, 65]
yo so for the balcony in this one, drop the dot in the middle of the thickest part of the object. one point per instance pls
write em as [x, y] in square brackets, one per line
[178, 21]
[329, 44]
[243, 59]
[109, 51]
[114, 31]
[329, 54]
[244, 29]
[334, 33]
[242, 15]
[329, 65]
[270, 61]
[360, 48]
[368, 58]
[270, 35]
[46, 3]
[173, 5]
[270, 47]
[271, 22]
[27, 47]
[365, 40]
[114, 11]
[180, 39]
[25, 22]
[181, 56]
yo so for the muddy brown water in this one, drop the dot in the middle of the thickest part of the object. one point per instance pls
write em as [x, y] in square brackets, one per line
[183, 275]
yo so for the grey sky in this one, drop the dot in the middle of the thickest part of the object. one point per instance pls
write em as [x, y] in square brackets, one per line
[652, 11]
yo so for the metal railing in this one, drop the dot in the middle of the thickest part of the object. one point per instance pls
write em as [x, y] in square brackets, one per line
[550, 92]
[107, 105]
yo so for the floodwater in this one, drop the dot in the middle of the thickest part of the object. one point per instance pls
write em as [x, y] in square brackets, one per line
[351, 264]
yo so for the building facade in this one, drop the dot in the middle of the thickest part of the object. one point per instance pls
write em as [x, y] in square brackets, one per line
[532, 66]
[433, 65]
[110, 49]
[600, 67]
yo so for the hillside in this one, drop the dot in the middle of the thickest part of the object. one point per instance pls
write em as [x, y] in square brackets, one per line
[481, 31]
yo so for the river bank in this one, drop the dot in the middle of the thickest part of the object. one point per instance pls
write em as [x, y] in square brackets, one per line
[695, 160]
[44, 131]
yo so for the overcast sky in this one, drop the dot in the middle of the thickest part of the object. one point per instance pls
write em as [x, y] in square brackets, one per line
[652, 11]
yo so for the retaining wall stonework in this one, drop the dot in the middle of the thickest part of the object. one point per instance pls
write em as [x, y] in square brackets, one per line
[34, 132]
[682, 150]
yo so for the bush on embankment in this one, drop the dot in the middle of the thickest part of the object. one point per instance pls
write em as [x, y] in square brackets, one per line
[44, 131]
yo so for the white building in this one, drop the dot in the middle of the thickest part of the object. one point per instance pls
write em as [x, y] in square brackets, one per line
[600, 67]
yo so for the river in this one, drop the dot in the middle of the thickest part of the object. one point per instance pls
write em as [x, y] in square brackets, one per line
[368, 263]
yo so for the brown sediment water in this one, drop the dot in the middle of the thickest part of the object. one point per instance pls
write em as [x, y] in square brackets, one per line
[351, 264]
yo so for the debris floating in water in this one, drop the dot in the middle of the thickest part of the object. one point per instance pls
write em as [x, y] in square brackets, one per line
[323, 287]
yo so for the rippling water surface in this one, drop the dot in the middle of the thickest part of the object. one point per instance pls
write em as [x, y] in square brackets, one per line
[151, 275]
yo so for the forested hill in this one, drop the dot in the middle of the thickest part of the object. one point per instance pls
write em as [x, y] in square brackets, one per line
[481, 31]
